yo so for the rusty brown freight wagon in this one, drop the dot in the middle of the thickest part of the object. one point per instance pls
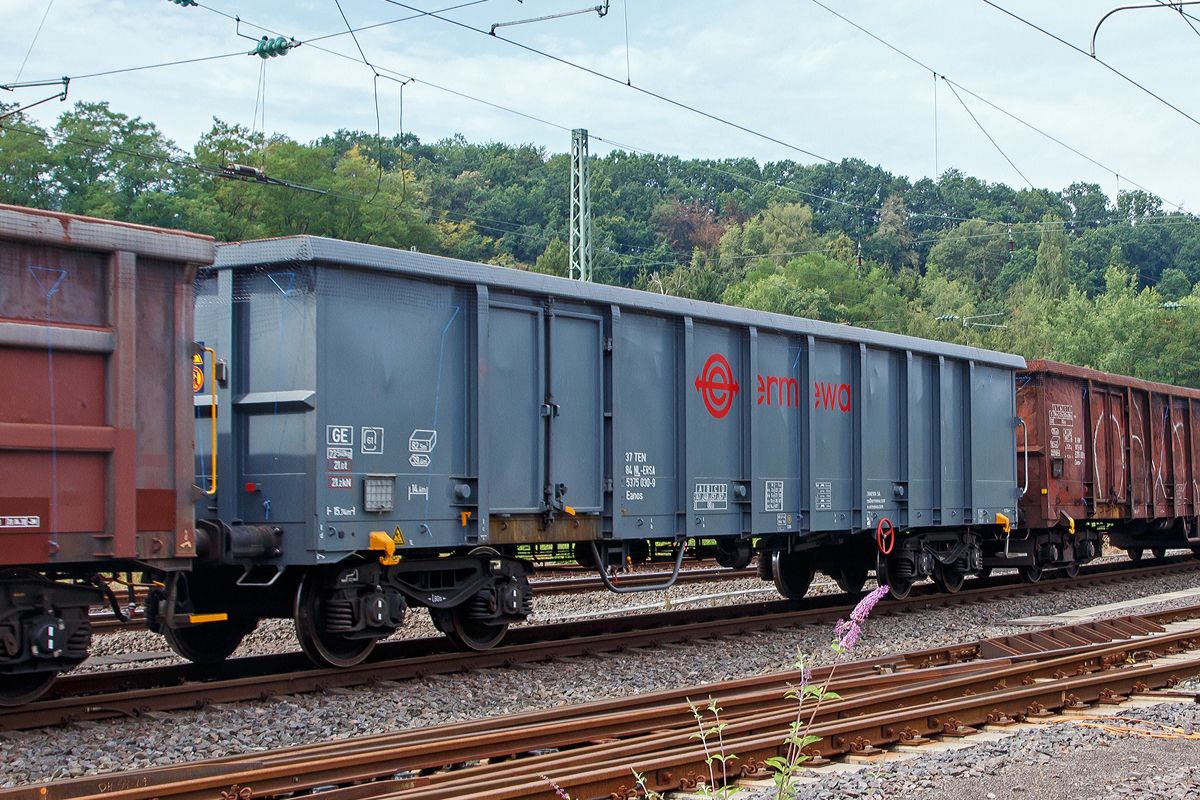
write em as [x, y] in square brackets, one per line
[96, 424]
[1103, 453]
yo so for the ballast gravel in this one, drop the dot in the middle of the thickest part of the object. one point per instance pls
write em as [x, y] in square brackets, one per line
[1062, 760]
[94, 747]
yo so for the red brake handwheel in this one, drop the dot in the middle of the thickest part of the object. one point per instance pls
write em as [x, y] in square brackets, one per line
[885, 537]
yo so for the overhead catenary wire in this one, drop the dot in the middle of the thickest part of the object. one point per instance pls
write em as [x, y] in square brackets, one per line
[1174, 5]
[958, 85]
[408, 79]
[989, 137]
[36, 34]
[1099, 61]
[628, 71]
[219, 172]
[375, 91]
[434, 216]
[619, 82]
[1178, 6]
[403, 78]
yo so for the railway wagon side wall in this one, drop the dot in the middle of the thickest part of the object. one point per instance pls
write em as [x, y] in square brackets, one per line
[1108, 448]
[492, 406]
[95, 417]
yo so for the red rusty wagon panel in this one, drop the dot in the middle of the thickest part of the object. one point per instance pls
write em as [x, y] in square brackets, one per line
[96, 413]
[1105, 447]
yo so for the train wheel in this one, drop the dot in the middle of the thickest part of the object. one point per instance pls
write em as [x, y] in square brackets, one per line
[792, 576]
[1030, 574]
[948, 579]
[210, 643]
[1134, 553]
[1158, 552]
[17, 690]
[1071, 570]
[898, 588]
[851, 579]
[467, 633]
[734, 554]
[324, 648]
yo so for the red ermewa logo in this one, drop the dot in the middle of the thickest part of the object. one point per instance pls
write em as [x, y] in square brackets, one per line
[717, 386]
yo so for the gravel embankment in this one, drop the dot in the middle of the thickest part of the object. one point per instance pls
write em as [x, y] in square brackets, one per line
[89, 748]
[1057, 761]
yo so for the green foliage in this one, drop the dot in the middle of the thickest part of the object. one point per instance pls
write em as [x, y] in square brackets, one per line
[25, 160]
[711, 736]
[848, 243]
[554, 260]
[106, 164]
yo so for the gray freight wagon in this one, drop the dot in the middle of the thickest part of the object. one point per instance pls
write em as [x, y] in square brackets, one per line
[393, 427]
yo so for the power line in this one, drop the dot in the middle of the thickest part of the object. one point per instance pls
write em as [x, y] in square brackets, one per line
[1055, 140]
[218, 172]
[1099, 61]
[36, 34]
[776, 185]
[403, 78]
[950, 82]
[989, 137]
[406, 78]
[353, 35]
[619, 82]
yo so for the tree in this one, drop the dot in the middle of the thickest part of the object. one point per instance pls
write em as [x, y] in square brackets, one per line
[1052, 273]
[1135, 205]
[554, 260]
[1089, 204]
[107, 164]
[25, 163]
[1174, 284]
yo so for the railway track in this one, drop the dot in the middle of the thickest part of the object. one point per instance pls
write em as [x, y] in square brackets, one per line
[590, 750]
[134, 692]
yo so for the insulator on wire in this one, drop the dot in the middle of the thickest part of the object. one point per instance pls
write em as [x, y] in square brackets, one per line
[860, 254]
[245, 171]
[270, 48]
[1011, 244]
[184, 3]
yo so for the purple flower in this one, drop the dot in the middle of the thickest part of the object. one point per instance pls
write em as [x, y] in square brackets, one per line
[845, 634]
[851, 638]
[861, 611]
[558, 790]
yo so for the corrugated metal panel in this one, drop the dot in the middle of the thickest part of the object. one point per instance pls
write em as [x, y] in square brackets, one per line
[96, 416]
[352, 254]
[1106, 447]
[505, 397]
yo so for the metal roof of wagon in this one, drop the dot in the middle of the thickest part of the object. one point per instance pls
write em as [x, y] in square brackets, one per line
[335, 252]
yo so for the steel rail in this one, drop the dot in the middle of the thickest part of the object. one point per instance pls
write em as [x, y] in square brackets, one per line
[613, 735]
[91, 696]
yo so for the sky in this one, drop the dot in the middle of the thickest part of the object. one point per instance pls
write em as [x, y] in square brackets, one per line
[787, 79]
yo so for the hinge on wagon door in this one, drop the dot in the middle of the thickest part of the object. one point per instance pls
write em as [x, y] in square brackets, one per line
[608, 484]
[608, 345]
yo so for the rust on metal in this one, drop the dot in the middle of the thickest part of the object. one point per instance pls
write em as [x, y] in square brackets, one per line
[1106, 447]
